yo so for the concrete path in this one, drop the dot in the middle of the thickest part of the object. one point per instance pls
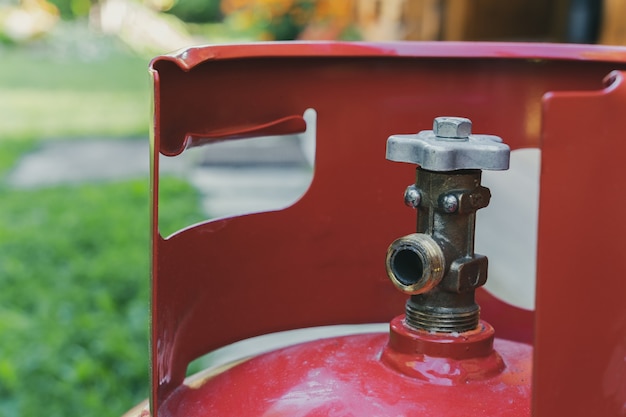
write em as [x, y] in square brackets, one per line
[78, 161]
[234, 177]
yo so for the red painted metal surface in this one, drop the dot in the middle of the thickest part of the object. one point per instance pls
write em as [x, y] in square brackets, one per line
[321, 261]
[580, 341]
[344, 376]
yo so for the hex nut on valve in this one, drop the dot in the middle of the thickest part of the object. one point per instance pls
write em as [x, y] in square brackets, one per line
[450, 203]
[412, 196]
[452, 127]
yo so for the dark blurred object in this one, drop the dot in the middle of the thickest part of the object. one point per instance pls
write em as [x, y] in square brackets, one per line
[512, 20]
[576, 21]
[584, 21]
[463, 20]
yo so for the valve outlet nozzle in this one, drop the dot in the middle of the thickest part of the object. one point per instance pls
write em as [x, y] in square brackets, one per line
[415, 263]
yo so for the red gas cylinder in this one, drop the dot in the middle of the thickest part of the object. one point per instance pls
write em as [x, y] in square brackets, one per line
[321, 261]
[440, 359]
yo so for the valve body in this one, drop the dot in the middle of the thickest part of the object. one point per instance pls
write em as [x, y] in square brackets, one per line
[437, 265]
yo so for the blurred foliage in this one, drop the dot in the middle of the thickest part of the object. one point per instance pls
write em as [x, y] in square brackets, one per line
[75, 295]
[71, 9]
[240, 20]
[197, 11]
[26, 20]
[12, 149]
[290, 19]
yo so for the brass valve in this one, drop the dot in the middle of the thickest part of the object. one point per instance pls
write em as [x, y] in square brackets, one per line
[437, 265]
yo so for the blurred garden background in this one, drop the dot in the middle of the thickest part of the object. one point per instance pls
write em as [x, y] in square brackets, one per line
[74, 284]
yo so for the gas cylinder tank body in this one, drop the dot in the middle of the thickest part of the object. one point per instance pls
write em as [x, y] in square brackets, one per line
[438, 358]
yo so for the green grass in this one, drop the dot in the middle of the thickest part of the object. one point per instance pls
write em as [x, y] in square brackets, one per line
[104, 114]
[11, 150]
[49, 91]
[75, 293]
[117, 70]
[74, 260]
